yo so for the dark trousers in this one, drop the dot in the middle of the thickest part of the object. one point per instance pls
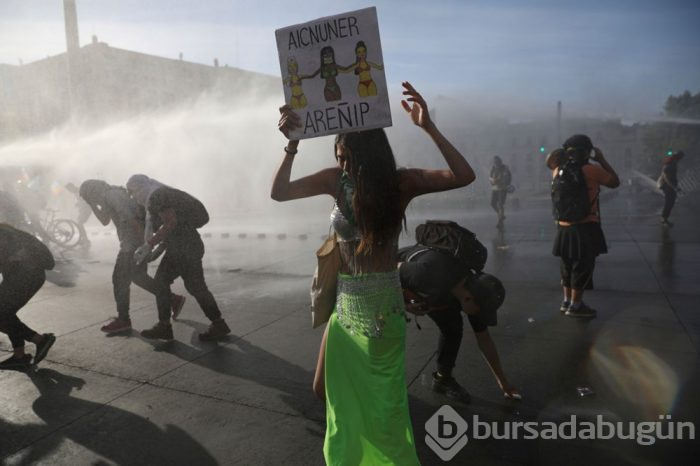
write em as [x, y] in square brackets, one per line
[19, 284]
[125, 272]
[498, 201]
[184, 259]
[450, 324]
[577, 273]
[669, 200]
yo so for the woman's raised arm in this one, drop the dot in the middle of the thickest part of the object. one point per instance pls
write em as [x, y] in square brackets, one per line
[419, 181]
[283, 189]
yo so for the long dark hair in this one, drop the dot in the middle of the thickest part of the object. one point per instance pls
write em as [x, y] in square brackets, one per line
[376, 201]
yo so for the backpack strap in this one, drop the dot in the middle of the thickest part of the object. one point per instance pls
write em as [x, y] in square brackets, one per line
[418, 253]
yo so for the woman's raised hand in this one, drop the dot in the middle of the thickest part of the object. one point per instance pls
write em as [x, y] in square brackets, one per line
[417, 109]
[289, 120]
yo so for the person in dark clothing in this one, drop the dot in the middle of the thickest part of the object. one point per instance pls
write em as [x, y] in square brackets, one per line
[668, 183]
[500, 179]
[23, 262]
[172, 221]
[579, 242]
[113, 204]
[435, 283]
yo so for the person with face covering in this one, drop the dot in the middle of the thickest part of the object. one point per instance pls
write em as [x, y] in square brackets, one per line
[367, 413]
[172, 219]
[113, 204]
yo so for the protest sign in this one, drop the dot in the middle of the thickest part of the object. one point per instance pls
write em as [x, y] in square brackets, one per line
[333, 74]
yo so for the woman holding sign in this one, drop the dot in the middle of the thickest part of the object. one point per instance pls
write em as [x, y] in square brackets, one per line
[366, 399]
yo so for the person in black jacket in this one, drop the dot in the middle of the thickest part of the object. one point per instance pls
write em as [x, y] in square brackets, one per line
[438, 285]
[172, 219]
[23, 262]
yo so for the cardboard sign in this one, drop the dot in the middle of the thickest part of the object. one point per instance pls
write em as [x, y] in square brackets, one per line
[333, 74]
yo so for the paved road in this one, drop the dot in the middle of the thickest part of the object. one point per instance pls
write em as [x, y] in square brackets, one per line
[129, 401]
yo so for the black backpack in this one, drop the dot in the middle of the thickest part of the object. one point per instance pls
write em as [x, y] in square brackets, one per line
[570, 201]
[197, 214]
[189, 209]
[449, 237]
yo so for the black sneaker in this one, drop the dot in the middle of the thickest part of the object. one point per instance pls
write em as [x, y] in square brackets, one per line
[217, 331]
[564, 306]
[14, 363]
[666, 223]
[580, 310]
[159, 331]
[449, 387]
[42, 349]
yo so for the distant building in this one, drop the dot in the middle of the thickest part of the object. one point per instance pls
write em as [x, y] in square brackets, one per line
[99, 83]
[110, 83]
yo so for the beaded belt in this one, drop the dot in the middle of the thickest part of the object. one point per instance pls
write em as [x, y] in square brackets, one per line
[364, 302]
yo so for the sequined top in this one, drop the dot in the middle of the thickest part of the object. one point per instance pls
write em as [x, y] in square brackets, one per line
[383, 257]
[346, 230]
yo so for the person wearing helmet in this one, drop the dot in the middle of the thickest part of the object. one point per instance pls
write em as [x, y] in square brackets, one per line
[113, 204]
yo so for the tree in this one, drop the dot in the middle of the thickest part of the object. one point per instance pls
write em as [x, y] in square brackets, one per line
[663, 137]
[685, 105]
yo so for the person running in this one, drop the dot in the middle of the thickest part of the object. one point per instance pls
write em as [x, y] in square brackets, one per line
[113, 204]
[366, 398]
[172, 219]
[668, 183]
[23, 264]
[500, 181]
[579, 242]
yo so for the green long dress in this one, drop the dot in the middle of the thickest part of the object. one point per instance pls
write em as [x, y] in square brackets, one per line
[368, 422]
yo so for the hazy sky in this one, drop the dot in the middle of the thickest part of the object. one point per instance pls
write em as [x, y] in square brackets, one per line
[598, 56]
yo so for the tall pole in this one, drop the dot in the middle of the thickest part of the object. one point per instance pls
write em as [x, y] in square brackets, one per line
[70, 15]
[73, 50]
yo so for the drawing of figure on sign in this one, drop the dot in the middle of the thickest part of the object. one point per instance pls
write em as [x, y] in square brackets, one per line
[366, 86]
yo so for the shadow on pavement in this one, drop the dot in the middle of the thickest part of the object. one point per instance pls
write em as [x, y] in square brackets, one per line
[240, 359]
[115, 434]
[64, 274]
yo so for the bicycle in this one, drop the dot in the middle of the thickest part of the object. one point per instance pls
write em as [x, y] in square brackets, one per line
[65, 232]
